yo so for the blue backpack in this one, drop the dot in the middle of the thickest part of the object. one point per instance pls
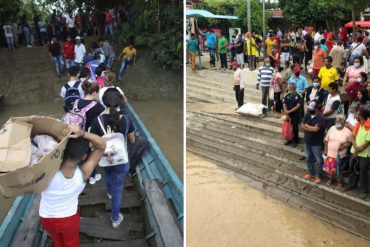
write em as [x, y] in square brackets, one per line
[72, 94]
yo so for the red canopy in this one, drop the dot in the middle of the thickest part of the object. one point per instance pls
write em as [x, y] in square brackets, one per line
[358, 23]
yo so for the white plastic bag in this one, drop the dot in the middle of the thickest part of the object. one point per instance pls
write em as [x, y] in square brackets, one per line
[45, 143]
[252, 109]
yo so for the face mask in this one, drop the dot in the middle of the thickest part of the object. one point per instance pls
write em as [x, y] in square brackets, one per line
[356, 65]
[359, 79]
[338, 126]
[316, 84]
[312, 112]
[297, 74]
[267, 64]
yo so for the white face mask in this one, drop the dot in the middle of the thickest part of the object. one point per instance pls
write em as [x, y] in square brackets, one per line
[356, 65]
[359, 79]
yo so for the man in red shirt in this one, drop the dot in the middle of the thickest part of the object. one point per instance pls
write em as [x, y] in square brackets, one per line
[68, 52]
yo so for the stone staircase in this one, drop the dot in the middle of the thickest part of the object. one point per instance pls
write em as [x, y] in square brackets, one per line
[253, 146]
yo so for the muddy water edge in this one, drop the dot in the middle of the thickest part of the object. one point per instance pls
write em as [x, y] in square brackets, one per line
[223, 208]
[163, 118]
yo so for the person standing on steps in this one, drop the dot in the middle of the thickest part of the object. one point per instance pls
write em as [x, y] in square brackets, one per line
[114, 175]
[333, 106]
[70, 21]
[238, 83]
[59, 214]
[192, 47]
[128, 56]
[68, 52]
[26, 31]
[264, 78]
[222, 49]
[360, 153]
[79, 51]
[211, 44]
[8, 31]
[313, 126]
[291, 104]
[328, 73]
[301, 86]
[55, 52]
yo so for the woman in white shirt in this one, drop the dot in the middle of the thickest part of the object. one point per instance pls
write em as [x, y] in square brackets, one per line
[58, 210]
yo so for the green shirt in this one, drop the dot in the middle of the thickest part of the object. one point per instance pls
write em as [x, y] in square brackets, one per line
[222, 42]
[192, 45]
[361, 138]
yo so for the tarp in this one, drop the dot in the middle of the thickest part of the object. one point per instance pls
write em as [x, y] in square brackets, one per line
[207, 14]
[358, 23]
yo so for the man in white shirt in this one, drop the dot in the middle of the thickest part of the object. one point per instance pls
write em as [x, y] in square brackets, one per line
[8, 31]
[318, 36]
[357, 49]
[238, 83]
[80, 51]
[70, 21]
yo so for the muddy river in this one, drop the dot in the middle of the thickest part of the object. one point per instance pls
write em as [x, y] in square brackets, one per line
[222, 210]
[164, 119]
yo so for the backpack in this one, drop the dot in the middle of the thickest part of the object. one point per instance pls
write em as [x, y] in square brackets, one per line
[72, 93]
[78, 116]
[115, 152]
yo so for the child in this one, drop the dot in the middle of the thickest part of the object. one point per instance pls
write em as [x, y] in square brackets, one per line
[99, 78]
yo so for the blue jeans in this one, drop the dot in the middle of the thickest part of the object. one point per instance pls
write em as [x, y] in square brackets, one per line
[114, 180]
[109, 32]
[10, 42]
[109, 61]
[58, 64]
[212, 55]
[26, 36]
[69, 63]
[314, 153]
[125, 62]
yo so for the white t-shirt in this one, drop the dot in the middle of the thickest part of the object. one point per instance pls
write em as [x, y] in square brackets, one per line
[359, 49]
[351, 119]
[60, 199]
[71, 83]
[70, 22]
[8, 30]
[318, 37]
[80, 52]
[328, 105]
[239, 78]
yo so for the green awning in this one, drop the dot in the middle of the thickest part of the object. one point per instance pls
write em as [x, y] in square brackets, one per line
[207, 14]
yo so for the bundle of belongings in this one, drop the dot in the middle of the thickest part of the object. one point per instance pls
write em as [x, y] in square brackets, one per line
[31, 150]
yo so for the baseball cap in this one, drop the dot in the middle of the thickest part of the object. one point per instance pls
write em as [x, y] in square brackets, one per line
[234, 63]
[296, 69]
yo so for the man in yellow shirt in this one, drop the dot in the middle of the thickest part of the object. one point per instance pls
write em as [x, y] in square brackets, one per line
[128, 55]
[328, 73]
[270, 42]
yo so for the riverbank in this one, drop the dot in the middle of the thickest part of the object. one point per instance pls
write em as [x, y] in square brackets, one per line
[224, 207]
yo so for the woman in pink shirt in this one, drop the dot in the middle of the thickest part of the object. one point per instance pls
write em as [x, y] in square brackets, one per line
[276, 85]
[337, 141]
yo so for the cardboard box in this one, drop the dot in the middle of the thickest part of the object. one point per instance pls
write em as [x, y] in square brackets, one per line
[33, 179]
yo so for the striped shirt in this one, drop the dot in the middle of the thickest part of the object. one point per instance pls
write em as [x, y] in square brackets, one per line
[265, 75]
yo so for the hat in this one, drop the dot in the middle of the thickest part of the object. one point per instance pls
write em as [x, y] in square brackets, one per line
[78, 37]
[234, 63]
[312, 105]
[310, 29]
[296, 69]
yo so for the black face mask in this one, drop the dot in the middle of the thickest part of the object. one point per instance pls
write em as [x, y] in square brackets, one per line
[297, 74]
[312, 112]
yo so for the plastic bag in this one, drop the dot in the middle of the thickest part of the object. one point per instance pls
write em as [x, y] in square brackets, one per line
[252, 109]
[45, 143]
[35, 154]
[287, 130]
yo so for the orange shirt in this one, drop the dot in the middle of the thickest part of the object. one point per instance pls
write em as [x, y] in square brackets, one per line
[318, 58]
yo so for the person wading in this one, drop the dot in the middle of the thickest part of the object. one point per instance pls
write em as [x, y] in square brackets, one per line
[238, 84]
[58, 210]
[128, 55]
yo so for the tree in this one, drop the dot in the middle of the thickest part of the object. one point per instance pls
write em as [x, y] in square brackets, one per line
[356, 7]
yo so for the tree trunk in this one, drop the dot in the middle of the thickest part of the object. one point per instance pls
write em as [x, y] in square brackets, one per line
[159, 19]
[354, 32]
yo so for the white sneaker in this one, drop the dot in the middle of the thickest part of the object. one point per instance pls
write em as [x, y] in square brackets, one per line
[109, 196]
[92, 180]
[116, 224]
[97, 177]
[29, 46]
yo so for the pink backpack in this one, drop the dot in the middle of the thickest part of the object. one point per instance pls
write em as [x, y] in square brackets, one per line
[287, 130]
[77, 116]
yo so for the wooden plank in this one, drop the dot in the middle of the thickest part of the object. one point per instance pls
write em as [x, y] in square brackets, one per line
[99, 196]
[26, 233]
[130, 243]
[102, 228]
[167, 223]
[129, 217]
[128, 183]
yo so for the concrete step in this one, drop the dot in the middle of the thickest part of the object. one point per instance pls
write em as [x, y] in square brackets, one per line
[285, 188]
[250, 95]
[221, 98]
[192, 96]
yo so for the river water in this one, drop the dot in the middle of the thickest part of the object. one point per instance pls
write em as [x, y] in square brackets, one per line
[222, 210]
[164, 119]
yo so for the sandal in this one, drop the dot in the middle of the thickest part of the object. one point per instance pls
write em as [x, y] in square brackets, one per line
[330, 181]
[318, 180]
[307, 176]
[340, 186]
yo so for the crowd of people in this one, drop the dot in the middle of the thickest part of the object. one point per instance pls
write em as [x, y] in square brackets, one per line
[318, 82]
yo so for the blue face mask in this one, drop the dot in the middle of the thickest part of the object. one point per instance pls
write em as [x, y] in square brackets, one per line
[338, 126]
[316, 84]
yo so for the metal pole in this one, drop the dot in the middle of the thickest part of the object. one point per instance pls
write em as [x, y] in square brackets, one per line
[263, 28]
[250, 32]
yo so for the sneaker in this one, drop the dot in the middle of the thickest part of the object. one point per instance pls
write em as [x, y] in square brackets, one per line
[109, 196]
[288, 143]
[363, 196]
[116, 224]
[318, 180]
[97, 177]
[92, 180]
[29, 46]
[294, 145]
